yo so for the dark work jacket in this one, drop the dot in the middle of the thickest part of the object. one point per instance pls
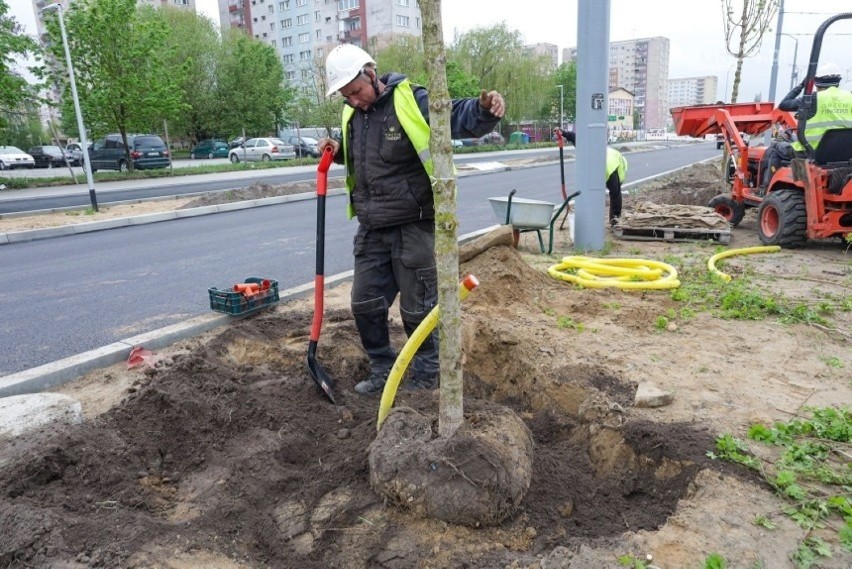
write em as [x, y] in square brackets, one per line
[569, 136]
[792, 103]
[391, 186]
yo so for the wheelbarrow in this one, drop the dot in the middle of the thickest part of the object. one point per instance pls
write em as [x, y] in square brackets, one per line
[525, 215]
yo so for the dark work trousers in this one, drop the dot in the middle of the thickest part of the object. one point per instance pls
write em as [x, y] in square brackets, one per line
[390, 261]
[613, 184]
[778, 155]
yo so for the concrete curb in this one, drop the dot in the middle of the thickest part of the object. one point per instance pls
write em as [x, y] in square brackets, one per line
[79, 228]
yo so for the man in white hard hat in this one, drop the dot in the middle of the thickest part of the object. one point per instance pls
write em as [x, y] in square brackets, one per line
[385, 147]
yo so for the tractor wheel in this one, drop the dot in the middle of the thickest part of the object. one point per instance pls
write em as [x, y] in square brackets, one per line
[732, 210]
[782, 219]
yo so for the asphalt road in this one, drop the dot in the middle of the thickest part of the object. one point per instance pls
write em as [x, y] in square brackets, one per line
[63, 296]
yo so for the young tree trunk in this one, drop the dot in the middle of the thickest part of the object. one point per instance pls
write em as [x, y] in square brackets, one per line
[745, 30]
[451, 412]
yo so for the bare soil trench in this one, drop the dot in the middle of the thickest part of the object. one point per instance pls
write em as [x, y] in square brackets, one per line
[222, 454]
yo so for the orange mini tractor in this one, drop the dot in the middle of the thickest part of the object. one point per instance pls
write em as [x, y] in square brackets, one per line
[811, 197]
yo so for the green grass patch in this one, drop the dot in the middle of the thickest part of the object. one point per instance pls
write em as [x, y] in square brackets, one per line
[115, 176]
[741, 299]
[810, 469]
[563, 322]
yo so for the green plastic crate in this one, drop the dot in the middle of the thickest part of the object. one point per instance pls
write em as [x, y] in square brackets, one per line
[235, 303]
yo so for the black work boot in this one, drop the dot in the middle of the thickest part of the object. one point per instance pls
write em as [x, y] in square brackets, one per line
[417, 382]
[374, 383]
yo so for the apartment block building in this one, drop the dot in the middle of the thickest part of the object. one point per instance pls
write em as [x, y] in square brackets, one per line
[39, 5]
[640, 66]
[549, 50]
[304, 31]
[689, 91]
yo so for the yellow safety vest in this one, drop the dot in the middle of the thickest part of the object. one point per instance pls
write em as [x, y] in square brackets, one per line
[412, 122]
[833, 110]
[615, 161]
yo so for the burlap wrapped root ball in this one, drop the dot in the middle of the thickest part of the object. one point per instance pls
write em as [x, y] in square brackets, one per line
[476, 477]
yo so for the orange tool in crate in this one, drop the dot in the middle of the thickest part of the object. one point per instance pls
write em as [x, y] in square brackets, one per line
[252, 289]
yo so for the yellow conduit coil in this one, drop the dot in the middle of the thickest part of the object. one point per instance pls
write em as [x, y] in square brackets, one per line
[410, 348]
[711, 263]
[628, 274]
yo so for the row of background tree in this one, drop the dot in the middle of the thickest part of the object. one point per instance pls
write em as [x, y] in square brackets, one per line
[137, 67]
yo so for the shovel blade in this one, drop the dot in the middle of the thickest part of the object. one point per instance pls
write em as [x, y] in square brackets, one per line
[320, 377]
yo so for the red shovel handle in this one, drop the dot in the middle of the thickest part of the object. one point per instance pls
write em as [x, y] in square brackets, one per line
[322, 170]
[325, 160]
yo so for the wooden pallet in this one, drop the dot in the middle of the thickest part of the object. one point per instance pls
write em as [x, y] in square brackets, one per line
[671, 234]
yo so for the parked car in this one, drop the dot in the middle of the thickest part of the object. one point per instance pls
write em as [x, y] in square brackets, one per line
[146, 151]
[75, 149]
[262, 149]
[457, 143]
[210, 149]
[49, 156]
[490, 138]
[236, 142]
[304, 146]
[493, 137]
[13, 157]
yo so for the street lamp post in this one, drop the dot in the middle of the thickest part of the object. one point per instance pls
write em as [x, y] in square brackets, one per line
[561, 110]
[794, 74]
[80, 127]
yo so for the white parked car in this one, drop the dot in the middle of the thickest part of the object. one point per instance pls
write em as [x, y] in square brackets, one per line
[262, 150]
[13, 157]
[76, 150]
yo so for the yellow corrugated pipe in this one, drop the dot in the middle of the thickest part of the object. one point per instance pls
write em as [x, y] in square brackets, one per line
[628, 274]
[425, 328]
[711, 263]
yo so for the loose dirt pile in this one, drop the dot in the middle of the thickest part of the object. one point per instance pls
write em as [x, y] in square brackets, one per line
[258, 191]
[225, 455]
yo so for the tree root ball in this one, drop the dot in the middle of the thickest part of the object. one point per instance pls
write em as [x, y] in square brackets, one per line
[476, 477]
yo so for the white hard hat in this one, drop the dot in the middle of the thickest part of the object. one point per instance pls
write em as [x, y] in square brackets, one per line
[343, 64]
[827, 75]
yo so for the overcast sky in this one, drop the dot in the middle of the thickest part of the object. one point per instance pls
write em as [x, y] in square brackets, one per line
[694, 29]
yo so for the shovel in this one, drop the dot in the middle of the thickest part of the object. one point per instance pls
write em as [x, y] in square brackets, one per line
[562, 173]
[319, 375]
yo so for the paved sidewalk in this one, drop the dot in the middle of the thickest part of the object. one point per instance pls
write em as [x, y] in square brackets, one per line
[107, 187]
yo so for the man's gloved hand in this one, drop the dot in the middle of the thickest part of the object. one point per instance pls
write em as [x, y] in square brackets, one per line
[323, 142]
[492, 101]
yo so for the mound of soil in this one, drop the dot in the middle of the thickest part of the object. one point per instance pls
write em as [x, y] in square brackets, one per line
[258, 191]
[225, 455]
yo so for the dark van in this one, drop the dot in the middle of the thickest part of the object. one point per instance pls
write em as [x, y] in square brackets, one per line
[146, 151]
